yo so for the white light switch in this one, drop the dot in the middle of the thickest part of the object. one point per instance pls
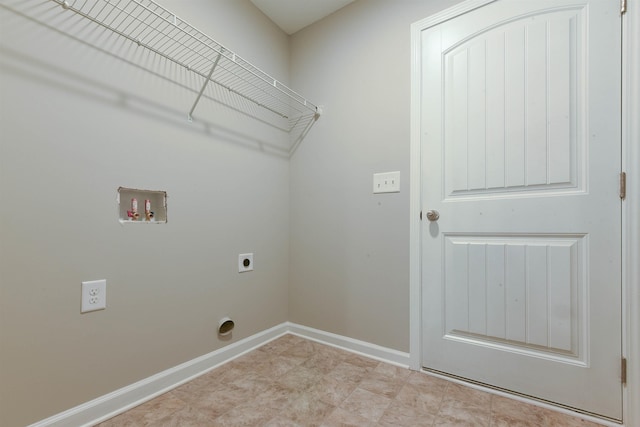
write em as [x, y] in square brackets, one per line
[388, 182]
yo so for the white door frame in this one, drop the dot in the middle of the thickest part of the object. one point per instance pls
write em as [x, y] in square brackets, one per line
[630, 210]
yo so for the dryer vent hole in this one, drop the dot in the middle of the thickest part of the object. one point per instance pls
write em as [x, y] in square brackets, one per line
[225, 327]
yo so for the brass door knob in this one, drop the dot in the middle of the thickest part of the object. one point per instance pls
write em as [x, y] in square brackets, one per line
[433, 215]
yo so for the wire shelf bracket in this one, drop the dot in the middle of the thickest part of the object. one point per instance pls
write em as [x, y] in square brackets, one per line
[215, 64]
[153, 27]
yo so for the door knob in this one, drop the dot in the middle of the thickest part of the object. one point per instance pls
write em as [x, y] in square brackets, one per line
[433, 215]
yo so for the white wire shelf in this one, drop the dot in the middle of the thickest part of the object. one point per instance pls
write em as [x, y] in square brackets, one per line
[150, 25]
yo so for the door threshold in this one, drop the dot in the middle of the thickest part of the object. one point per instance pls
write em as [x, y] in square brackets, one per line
[558, 407]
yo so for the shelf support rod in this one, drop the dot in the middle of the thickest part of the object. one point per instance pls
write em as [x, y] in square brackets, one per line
[215, 64]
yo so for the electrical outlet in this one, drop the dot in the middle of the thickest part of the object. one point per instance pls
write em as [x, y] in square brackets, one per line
[388, 182]
[245, 263]
[94, 296]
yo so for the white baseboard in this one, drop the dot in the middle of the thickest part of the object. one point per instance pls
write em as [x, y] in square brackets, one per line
[364, 348]
[119, 401]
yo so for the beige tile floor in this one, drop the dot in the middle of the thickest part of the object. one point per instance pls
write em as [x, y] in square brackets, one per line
[292, 381]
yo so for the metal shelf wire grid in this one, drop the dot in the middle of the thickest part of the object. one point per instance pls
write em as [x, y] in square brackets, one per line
[150, 25]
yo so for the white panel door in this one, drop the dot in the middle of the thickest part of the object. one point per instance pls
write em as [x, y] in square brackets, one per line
[520, 130]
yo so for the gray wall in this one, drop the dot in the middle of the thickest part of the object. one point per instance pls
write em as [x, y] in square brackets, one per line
[349, 270]
[76, 123]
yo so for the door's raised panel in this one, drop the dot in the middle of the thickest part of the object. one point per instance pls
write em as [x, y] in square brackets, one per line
[526, 292]
[512, 114]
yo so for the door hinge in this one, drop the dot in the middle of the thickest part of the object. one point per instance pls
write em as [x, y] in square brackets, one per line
[623, 185]
[623, 7]
[623, 371]
[420, 215]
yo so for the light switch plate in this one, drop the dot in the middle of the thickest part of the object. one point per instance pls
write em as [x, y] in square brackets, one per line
[388, 182]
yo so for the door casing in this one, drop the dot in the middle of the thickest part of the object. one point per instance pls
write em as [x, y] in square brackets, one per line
[630, 212]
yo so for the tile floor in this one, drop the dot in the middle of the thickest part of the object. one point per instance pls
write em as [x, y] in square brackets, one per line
[292, 381]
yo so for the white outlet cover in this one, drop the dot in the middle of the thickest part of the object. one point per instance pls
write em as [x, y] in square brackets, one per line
[94, 296]
[245, 259]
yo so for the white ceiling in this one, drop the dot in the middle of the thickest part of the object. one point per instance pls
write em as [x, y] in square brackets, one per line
[294, 15]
